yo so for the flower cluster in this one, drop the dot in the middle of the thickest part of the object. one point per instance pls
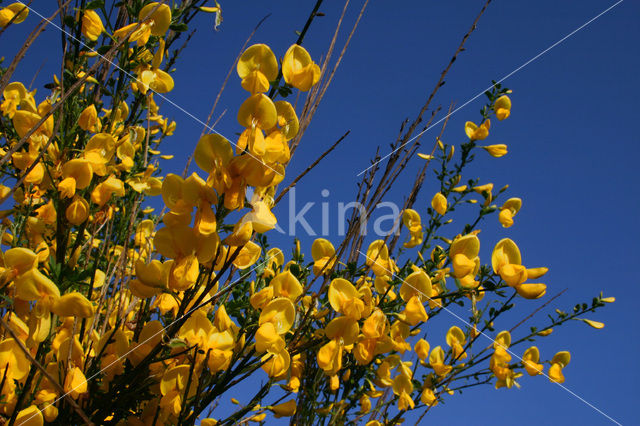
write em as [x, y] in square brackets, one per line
[113, 313]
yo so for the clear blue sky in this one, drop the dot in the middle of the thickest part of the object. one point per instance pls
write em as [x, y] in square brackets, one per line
[573, 148]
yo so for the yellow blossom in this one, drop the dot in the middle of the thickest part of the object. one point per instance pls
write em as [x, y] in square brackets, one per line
[508, 211]
[439, 203]
[8, 13]
[502, 107]
[92, 25]
[559, 361]
[322, 252]
[497, 151]
[285, 409]
[475, 132]
[530, 360]
[298, 69]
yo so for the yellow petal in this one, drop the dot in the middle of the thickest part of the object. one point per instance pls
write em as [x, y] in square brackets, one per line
[439, 203]
[322, 248]
[13, 358]
[258, 57]
[286, 285]
[531, 290]
[212, 150]
[281, 313]
[73, 304]
[285, 409]
[92, 25]
[505, 252]
[298, 69]
[258, 110]
[78, 211]
[563, 358]
[161, 17]
[31, 416]
[416, 284]
[255, 82]
[468, 245]
[343, 329]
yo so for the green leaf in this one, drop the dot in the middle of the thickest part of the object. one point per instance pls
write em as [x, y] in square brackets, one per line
[69, 21]
[103, 49]
[181, 27]
[177, 343]
[95, 4]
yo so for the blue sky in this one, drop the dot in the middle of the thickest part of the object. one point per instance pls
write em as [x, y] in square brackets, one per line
[572, 156]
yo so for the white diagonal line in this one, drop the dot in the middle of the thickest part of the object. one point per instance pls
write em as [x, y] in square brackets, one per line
[499, 81]
[137, 345]
[500, 344]
[160, 95]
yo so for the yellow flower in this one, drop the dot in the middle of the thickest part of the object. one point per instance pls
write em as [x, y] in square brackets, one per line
[281, 313]
[422, 349]
[287, 119]
[75, 383]
[436, 360]
[456, 339]
[417, 284]
[322, 251]
[502, 107]
[88, 119]
[286, 285]
[439, 203]
[260, 299]
[285, 409]
[267, 339]
[531, 359]
[342, 329]
[105, 189]
[8, 13]
[154, 23]
[531, 290]
[258, 111]
[329, 357]
[92, 25]
[411, 219]
[428, 397]
[559, 361]
[76, 174]
[595, 324]
[13, 362]
[403, 387]
[345, 299]
[152, 77]
[24, 120]
[173, 387]
[508, 211]
[298, 69]
[261, 217]
[497, 151]
[257, 67]
[378, 258]
[504, 253]
[464, 256]
[249, 255]
[159, 20]
[99, 151]
[276, 364]
[31, 416]
[414, 312]
[475, 132]
[258, 57]
[16, 95]
[73, 304]
[78, 211]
